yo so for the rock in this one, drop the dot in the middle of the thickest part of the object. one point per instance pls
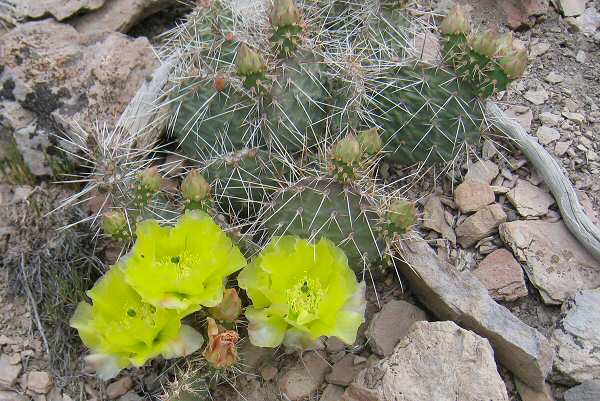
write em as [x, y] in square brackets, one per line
[561, 147]
[331, 393]
[458, 295]
[550, 119]
[391, 324]
[528, 394]
[539, 49]
[529, 200]
[581, 57]
[334, 344]
[12, 396]
[471, 196]
[119, 15]
[480, 225]
[268, 372]
[575, 117]
[305, 378]
[502, 275]
[482, 171]
[572, 8]
[586, 391]
[556, 264]
[344, 371]
[434, 219]
[59, 9]
[253, 357]
[131, 396]
[64, 76]
[356, 392]
[425, 364]
[119, 387]
[554, 78]
[536, 96]
[547, 135]
[9, 373]
[577, 338]
[39, 382]
[523, 115]
[587, 23]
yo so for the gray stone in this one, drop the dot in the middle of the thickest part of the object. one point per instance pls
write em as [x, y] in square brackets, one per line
[434, 218]
[536, 96]
[539, 49]
[561, 147]
[131, 396]
[59, 9]
[587, 23]
[577, 338]
[458, 295]
[74, 77]
[523, 115]
[547, 135]
[471, 196]
[480, 225]
[119, 387]
[344, 371]
[550, 119]
[304, 379]
[553, 78]
[119, 15]
[581, 57]
[391, 324]
[528, 394]
[39, 381]
[425, 364]
[556, 264]
[529, 200]
[332, 393]
[572, 8]
[586, 391]
[482, 171]
[9, 372]
[12, 396]
[502, 275]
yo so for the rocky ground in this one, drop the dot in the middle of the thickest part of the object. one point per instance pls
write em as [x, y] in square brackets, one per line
[494, 226]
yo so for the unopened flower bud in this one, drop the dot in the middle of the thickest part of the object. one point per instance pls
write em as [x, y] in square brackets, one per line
[248, 61]
[114, 224]
[484, 43]
[194, 188]
[347, 149]
[150, 179]
[504, 44]
[220, 83]
[370, 141]
[514, 63]
[402, 215]
[230, 307]
[456, 22]
[221, 351]
[284, 12]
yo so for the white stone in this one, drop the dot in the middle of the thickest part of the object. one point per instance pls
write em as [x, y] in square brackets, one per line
[577, 338]
[554, 78]
[59, 9]
[550, 119]
[572, 8]
[529, 200]
[437, 361]
[536, 96]
[547, 135]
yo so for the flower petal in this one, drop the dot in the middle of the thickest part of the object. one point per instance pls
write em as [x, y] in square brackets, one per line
[265, 329]
[188, 342]
[106, 366]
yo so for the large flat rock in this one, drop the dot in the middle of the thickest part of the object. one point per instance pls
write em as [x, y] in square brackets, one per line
[577, 338]
[437, 361]
[459, 296]
[556, 264]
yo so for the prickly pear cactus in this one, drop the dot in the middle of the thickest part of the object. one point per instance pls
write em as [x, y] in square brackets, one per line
[314, 71]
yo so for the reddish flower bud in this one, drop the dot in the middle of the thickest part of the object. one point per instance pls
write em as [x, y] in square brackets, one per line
[194, 187]
[220, 83]
[284, 12]
[456, 22]
[230, 307]
[514, 63]
[370, 141]
[150, 179]
[347, 149]
[484, 43]
[402, 215]
[221, 351]
[504, 44]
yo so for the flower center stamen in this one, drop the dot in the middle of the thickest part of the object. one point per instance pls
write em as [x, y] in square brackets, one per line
[305, 296]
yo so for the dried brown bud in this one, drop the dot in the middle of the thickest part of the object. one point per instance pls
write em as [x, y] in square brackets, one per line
[221, 351]
[230, 307]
